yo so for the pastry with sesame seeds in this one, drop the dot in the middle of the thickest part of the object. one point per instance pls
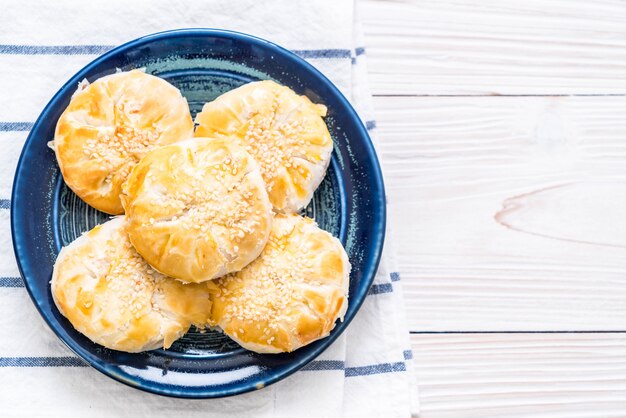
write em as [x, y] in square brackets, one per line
[291, 295]
[113, 297]
[109, 125]
[284, 132]
[198, 209]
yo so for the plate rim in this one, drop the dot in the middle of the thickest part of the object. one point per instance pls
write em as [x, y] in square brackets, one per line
[379, 204]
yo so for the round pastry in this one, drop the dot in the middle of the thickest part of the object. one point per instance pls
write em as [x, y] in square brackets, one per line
[113, 297]
[197, 209]
[109, 126]
[288, 297]
[283, 131]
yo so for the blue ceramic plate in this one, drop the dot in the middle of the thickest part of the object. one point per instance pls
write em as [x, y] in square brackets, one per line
[350, 203]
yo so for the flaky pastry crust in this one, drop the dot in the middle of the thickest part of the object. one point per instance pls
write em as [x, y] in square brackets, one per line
[113, 297]
[283, 131]
[109, 126]
[198, 209]
[288, 297]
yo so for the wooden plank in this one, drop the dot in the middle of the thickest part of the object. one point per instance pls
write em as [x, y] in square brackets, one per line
[496, 47]
[509, 211]
[521, 375]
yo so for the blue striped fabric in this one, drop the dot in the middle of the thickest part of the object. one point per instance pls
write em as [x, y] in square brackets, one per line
[54, 49]
[15, 126]
[322, 53]
[377, 289]
[41, 362]
[358, 370]
[316, 365]
[375, 369]
[101, 49]
[357, 52]
[5, 204]
[11, 282]
[408, 354]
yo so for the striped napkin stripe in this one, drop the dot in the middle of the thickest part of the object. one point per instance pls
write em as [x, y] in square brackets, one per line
[316, 365]
[101, 49]
[11, 282]
[15, 126]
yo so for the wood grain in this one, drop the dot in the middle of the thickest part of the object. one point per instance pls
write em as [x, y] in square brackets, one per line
[496, 47]
[511, 210]
[521, 375]
[508, 211]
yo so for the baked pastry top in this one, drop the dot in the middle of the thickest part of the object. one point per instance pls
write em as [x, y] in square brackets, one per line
[113, 297]
[283, 131]
[198, 209]
[109, 126]
[288, 297]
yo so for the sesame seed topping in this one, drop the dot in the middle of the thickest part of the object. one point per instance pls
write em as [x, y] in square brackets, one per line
[118, 149]
[272, 288]
[274, 142]
[220, 195]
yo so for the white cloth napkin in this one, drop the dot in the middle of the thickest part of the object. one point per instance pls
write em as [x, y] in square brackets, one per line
[365, 373]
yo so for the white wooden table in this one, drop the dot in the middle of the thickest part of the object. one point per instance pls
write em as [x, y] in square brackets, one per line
[503, 129]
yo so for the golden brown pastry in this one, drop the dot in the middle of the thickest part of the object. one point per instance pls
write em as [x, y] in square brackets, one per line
[113, 297]
[288, 297]
[198, 209]
[109, 126]
[283, 131]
